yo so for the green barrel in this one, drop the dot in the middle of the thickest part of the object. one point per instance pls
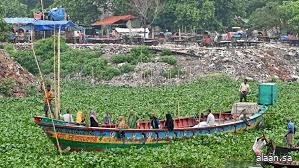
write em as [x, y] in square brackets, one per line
[267, 93]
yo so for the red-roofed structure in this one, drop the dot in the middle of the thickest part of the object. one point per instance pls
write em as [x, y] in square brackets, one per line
[110, 20]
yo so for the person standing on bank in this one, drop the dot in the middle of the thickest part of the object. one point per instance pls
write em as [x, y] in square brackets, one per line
[244, 90]
[291, 133]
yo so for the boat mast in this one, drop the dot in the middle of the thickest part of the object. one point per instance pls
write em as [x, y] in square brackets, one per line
[58, 76]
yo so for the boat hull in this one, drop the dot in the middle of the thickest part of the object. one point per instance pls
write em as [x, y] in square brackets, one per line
[77, 138]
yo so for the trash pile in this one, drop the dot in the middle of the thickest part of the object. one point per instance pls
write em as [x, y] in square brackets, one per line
[13, 77]
[263, 63]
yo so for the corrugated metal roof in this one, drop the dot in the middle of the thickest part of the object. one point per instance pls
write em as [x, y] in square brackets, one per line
[113, 19]
[19, 20]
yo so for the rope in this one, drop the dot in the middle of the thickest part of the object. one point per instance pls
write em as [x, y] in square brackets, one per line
[44, 88]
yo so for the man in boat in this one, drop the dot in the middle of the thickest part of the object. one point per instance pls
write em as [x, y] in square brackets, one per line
[48, 97]
[258, 145]
[244, 90]
[210, 118]
[291, 133]
[68, 117]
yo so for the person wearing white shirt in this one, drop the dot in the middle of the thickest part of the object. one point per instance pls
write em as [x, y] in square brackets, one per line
[211, 118]
[67, 117]
[244, 90]
[258, 144]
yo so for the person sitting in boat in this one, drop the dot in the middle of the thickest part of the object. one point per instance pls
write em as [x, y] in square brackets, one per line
[107, 118]
[93, 119]
[155, 122]
[258, 145]
[80, 118]
[211, 118]
[244, 90]
[291, 133]
[132, 120]
[68, 117]
[169, 122]
[122, 123]
[48, 97]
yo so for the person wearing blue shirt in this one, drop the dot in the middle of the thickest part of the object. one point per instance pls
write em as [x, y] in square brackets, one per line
[291, 133]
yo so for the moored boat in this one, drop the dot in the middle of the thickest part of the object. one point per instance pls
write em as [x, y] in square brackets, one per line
[280, 150]
[76, 137]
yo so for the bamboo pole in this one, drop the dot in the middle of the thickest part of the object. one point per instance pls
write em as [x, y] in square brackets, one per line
[58, 75]
[55, 81]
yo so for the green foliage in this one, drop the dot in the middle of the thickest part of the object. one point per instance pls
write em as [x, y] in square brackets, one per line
[146, 73]
[140, 54]
[169, 59]
[25, 58]
[173, 72]
[73, 61]
[24, 144]
[166, 51]
[120, 58]
[6, 86]
[126, 68]
[266, 17]
[110, 72]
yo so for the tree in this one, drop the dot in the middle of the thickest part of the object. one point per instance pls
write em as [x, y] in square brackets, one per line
[226, 10]
[4, 28]
[13, 8]
[290, 15]
[266, 17]
[147, 10]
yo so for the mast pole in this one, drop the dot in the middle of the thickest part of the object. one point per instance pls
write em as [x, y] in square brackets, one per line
[58, 74]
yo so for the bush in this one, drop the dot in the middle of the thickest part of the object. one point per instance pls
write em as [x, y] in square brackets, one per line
[110, 72]
[126, 68]
[169, 60]
[173, 72]
[6, 86]
[121, 58]
[10, 48]
[166, 51]
[140, 54]
[146, 73]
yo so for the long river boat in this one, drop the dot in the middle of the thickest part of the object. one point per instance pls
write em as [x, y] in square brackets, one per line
[76, 137]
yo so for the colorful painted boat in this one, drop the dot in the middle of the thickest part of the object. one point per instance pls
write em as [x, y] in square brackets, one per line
[76, 137]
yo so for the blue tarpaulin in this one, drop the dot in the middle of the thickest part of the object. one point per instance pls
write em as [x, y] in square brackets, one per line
[56, 14]
[41, 25]
[46, 25]
[19, 20]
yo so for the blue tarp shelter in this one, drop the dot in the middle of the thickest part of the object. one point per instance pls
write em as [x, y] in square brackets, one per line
[41, 25]
[46, 25]
[56, 14]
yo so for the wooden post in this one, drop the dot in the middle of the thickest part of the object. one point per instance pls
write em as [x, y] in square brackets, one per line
[179, 33]
[153, 33]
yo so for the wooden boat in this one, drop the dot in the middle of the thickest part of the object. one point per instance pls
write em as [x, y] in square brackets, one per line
[279, 150]
[292, 164]
[76, 137]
